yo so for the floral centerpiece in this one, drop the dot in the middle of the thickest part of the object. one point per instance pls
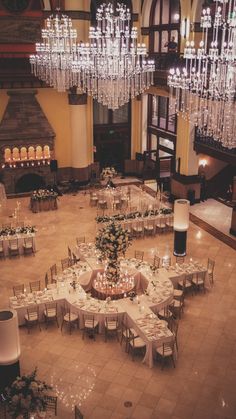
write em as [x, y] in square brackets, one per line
[112, 241]
[26, 394]
[12, 231]
[43, 194]
[108, 172]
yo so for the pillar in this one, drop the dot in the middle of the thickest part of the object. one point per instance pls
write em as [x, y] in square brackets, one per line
[181, 225]
[80, 150]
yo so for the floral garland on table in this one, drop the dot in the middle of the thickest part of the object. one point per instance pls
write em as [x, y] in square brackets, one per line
[132, 215]
[11, 231]
[43, 194]
[26, 394]
[108, 172]
[112, 241]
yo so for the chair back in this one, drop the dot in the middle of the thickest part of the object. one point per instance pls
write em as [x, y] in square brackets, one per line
[53, 270]
[51, 404]
[13, 244]
[156, 261]
[35, 286]
[210, 265]
[33, 313]
[69, 252]
[18, 289]
[51, 309]
[167, 346]
[78, 414]
[89, 319]
[65, 263]
[28, 241]
[111, 322]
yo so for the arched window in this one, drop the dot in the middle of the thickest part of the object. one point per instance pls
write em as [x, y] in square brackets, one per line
[164, 25]
[31, 153]
[46, 152]
[23, 153]
[39, 152]
[7, 154]
[15, 153]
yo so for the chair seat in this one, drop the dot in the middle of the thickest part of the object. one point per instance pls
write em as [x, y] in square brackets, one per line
[162, 313]
[31, 318]
[197, 282]
[137, 343]
[178, 293]
[70, 317]
[28, 246]
[168, 351]
[90, 325]
[187, 284]
[149, 228]
[50, 313]
[177, 304]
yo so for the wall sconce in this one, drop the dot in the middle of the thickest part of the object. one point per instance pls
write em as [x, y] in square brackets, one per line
[203, 162]
[185, 28]
[181, 225]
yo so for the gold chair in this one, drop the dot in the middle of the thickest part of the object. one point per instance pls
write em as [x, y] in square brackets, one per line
[13, 247]
[69, 318]
[167, 350]
[198, 281]
[51, 404]
[139, 254]
[125, 334]
[161, 225]
[149, 228]
[178, 306]
[111, 326]
[32, 317]
[136, 344]
[167, 312]
[35, 286]
[174, 327]
[53, 270]
[80, 240]
[50, 313]
[210, 270]
[28, 245]
[156, 261]
[137, 229]
[170, 223]
[90, 325]
[185, 283]
[65, 263]
[18, 289]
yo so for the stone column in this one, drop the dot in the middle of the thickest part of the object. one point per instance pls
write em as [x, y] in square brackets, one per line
[80, 159]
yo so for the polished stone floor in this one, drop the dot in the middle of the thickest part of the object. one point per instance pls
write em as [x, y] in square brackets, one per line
[101, 376]
[214, 213]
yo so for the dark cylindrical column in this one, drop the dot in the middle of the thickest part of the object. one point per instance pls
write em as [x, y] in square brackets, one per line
[181, 224]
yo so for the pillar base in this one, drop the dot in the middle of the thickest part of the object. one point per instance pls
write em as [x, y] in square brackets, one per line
[8, 374]
[180, 240]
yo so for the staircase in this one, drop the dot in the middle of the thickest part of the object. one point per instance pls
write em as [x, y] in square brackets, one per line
[218, 185]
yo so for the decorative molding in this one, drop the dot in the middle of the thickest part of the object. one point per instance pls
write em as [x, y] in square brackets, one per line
[26, 30]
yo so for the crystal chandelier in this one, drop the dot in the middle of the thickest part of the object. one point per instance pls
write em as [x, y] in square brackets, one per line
[204, 90]
[54, 55]
[112, 68]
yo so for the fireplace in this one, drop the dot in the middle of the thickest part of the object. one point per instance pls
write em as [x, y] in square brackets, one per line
[29, 182]
[26, 143]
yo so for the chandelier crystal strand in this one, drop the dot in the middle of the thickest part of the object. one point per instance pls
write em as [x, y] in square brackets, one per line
[204, 90]
[113, 66]
[54, 55]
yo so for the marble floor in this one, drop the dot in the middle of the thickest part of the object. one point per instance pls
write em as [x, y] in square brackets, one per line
[214, 213]
[101, 376]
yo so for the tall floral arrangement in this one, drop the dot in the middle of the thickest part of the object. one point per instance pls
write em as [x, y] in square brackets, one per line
[112, 241]
[26, 394]
[108, 172]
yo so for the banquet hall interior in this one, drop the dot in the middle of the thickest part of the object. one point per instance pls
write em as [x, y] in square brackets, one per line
[117, 209]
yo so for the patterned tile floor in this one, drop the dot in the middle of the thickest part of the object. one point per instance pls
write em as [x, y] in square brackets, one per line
[202, 386]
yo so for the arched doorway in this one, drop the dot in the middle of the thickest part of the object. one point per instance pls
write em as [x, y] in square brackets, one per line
[29, 182]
